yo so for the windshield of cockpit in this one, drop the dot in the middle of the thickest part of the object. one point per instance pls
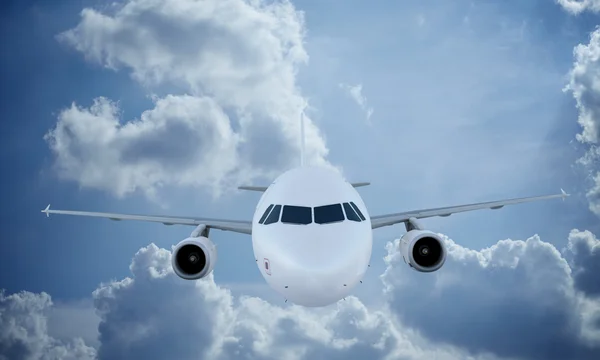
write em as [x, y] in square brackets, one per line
[304, 215]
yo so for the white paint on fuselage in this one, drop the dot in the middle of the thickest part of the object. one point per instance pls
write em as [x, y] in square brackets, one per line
[312, 265]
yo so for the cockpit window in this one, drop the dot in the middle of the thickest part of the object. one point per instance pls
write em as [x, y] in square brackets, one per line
[300, 215]
[329, 214]
[262, 218]
[362, 217]
[350, 213]
[274, 215]
[303, 215]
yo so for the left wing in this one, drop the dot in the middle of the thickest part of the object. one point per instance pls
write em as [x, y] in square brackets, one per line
[391, 219]
[243, 227]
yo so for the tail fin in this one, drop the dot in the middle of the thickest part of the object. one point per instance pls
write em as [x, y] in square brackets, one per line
[302, 138]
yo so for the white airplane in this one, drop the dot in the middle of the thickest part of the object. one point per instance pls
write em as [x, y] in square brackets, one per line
[311, 234]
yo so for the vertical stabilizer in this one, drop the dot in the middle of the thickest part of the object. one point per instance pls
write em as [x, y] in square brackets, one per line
[302, 138]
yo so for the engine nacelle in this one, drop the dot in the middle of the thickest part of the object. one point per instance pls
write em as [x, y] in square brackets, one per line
[423, 250]
[194, 258]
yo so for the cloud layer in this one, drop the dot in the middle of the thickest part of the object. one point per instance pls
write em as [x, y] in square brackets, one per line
[516, 299]
[584, 84]
[24, 331]
[233, 65]
[584, 248]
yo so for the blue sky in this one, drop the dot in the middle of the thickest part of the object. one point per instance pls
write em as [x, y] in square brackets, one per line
[468, 101]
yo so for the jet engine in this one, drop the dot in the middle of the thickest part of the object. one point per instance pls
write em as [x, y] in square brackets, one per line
[423, 250]
[194, 258]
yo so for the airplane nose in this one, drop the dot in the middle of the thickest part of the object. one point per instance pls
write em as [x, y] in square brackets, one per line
[330, 252]
[313, 259]
[316, 265]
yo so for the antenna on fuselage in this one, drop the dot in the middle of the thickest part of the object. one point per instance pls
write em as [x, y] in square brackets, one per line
[302, 138]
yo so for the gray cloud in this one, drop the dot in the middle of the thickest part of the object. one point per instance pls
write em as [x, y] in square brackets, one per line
[515, 299]
[184, 140]
[24, 331]
[73, 319]
[236, 61]
[140, 316]
[584, 248]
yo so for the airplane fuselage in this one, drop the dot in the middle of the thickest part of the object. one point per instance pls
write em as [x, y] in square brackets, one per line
[312, 236]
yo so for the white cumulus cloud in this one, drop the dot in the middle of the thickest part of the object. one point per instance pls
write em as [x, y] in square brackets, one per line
[234, 64]
[184, 140]
[579, 6]
[584, 84]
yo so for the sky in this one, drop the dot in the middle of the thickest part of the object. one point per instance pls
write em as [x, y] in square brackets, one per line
[166, 106]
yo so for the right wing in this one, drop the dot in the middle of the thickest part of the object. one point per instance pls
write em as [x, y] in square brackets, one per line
[391, 219]
[243, 227]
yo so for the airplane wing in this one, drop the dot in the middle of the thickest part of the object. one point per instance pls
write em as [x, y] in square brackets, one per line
[243, 227]
[391, 219]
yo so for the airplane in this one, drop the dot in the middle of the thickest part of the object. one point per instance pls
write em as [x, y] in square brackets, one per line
[312, 234]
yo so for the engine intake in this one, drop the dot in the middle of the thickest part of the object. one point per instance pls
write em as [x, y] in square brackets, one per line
[194, 258]
[423, 250]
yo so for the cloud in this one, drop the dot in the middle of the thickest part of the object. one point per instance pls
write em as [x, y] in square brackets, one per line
[235, 64]
[515, 299]
[593, 194]
[585, 250]
[184, 140]
[142, 314]
[579, 6]
[24, 333]
[584, 84]
[355, 92]
[74, 319]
